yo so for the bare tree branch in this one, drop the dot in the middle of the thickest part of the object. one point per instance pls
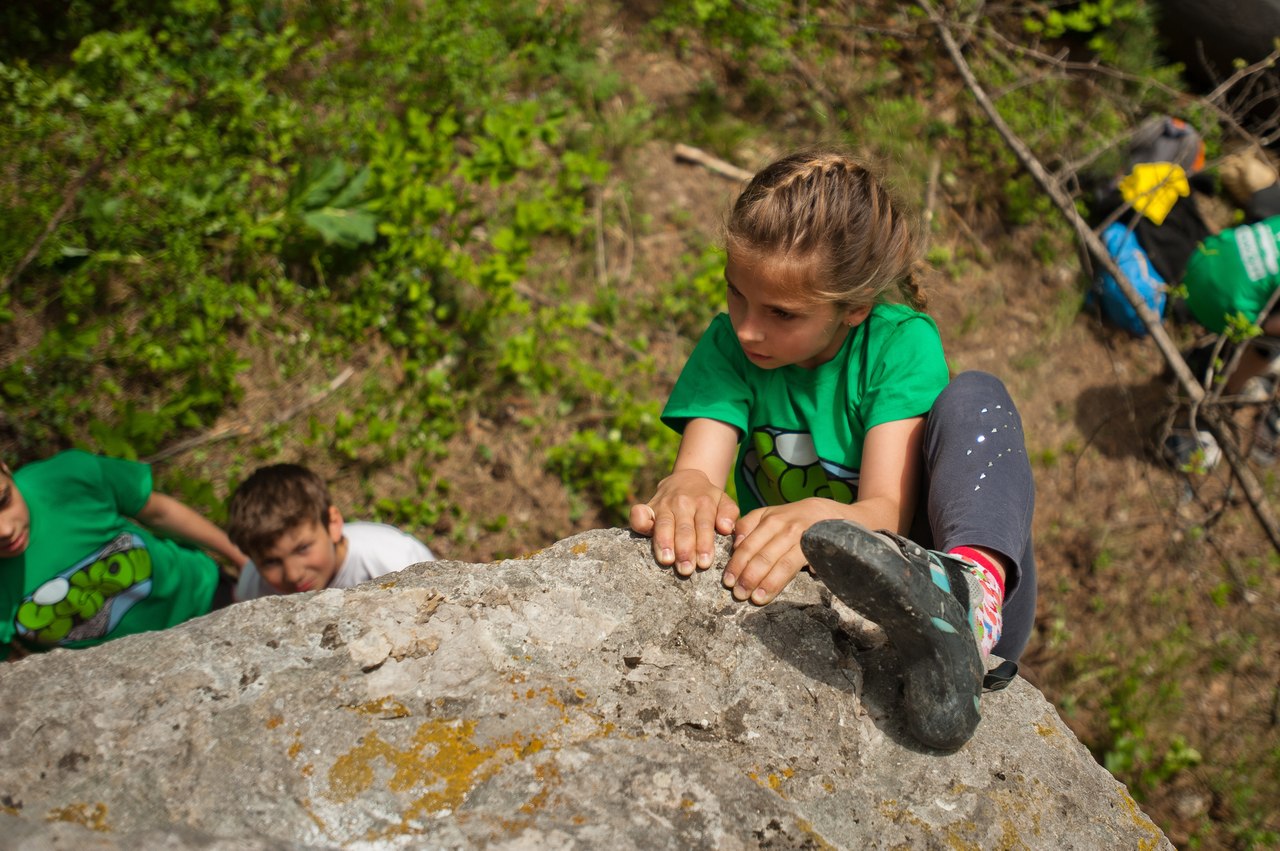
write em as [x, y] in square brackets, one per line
[1247, 72]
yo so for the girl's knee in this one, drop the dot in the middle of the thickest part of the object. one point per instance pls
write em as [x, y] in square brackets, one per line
[970, 388]
[974, 402]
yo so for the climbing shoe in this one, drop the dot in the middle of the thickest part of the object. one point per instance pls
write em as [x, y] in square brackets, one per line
[921, 601]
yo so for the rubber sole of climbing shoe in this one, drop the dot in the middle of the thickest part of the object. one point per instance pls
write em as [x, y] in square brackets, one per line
[899, 588]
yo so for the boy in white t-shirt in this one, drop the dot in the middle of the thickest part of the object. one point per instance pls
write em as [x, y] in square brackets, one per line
[283, 519]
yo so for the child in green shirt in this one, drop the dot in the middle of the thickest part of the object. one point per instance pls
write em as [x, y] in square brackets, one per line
[86, 554]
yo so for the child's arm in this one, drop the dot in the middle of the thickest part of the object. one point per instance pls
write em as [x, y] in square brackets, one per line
[766, 552]
[165, 514]
[689, 506]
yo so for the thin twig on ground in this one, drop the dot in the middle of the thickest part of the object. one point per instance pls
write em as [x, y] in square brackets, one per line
[315, 398]
[688, 153]
[233, 430]
[930, 199]
[628, 242]
[602, 261]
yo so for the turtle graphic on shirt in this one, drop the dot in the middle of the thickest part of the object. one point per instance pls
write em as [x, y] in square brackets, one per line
[88, 600]
[783, 466]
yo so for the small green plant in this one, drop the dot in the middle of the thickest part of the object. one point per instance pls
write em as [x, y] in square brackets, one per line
[1132, 755]
[696, 294]
[330, 200]
[602, 465]
[409, 512]
[762, 37]
[1083, 17]
[1109, 25]
[1240, 328]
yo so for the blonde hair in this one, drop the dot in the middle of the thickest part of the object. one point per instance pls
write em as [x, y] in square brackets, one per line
[827, 210]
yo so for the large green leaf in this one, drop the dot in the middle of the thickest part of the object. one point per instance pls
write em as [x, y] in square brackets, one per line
[344, 228]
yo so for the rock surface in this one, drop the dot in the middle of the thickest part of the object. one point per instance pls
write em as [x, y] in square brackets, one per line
[582, 697]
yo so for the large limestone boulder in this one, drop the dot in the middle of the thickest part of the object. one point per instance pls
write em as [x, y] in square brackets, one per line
[582, 697]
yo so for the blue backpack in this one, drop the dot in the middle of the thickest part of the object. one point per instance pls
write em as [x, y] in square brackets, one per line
[1136, 265]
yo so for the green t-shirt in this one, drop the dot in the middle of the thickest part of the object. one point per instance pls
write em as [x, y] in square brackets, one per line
[803, 429]
[89, 574]
[1234, 272]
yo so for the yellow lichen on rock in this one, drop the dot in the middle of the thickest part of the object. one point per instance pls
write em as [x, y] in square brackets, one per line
[1140, 820]
[443, 757]
[93, 817]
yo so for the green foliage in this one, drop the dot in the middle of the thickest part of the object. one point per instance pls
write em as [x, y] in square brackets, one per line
[698, 293]
[758, 46]
[245, 173]
[216, 173]
[707, 120]
[1083, 17]
[158, 232]
[409, 512]
[1136, 697]
[1132, 755]
[1118, 32]
[605, 463]
[1245, 795]
[903, 129]
[762, 34]
[1240, 328]
[330, 202]
[602, 465]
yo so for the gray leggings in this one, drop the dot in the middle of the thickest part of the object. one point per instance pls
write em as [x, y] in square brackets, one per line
[979, 491]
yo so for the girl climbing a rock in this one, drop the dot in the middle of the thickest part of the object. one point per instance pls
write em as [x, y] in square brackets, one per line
[830, 403]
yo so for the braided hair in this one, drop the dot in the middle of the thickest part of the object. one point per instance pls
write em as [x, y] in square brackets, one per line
[826, 210]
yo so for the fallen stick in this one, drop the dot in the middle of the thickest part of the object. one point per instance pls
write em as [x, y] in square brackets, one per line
[1252, 489]
[233, 430]
[315, 398]
[216, 435]
[688, 153]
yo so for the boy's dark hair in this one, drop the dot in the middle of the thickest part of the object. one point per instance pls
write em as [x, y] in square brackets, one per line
[272, 501]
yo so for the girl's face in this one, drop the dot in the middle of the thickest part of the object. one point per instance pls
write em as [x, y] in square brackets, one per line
[777, 323]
